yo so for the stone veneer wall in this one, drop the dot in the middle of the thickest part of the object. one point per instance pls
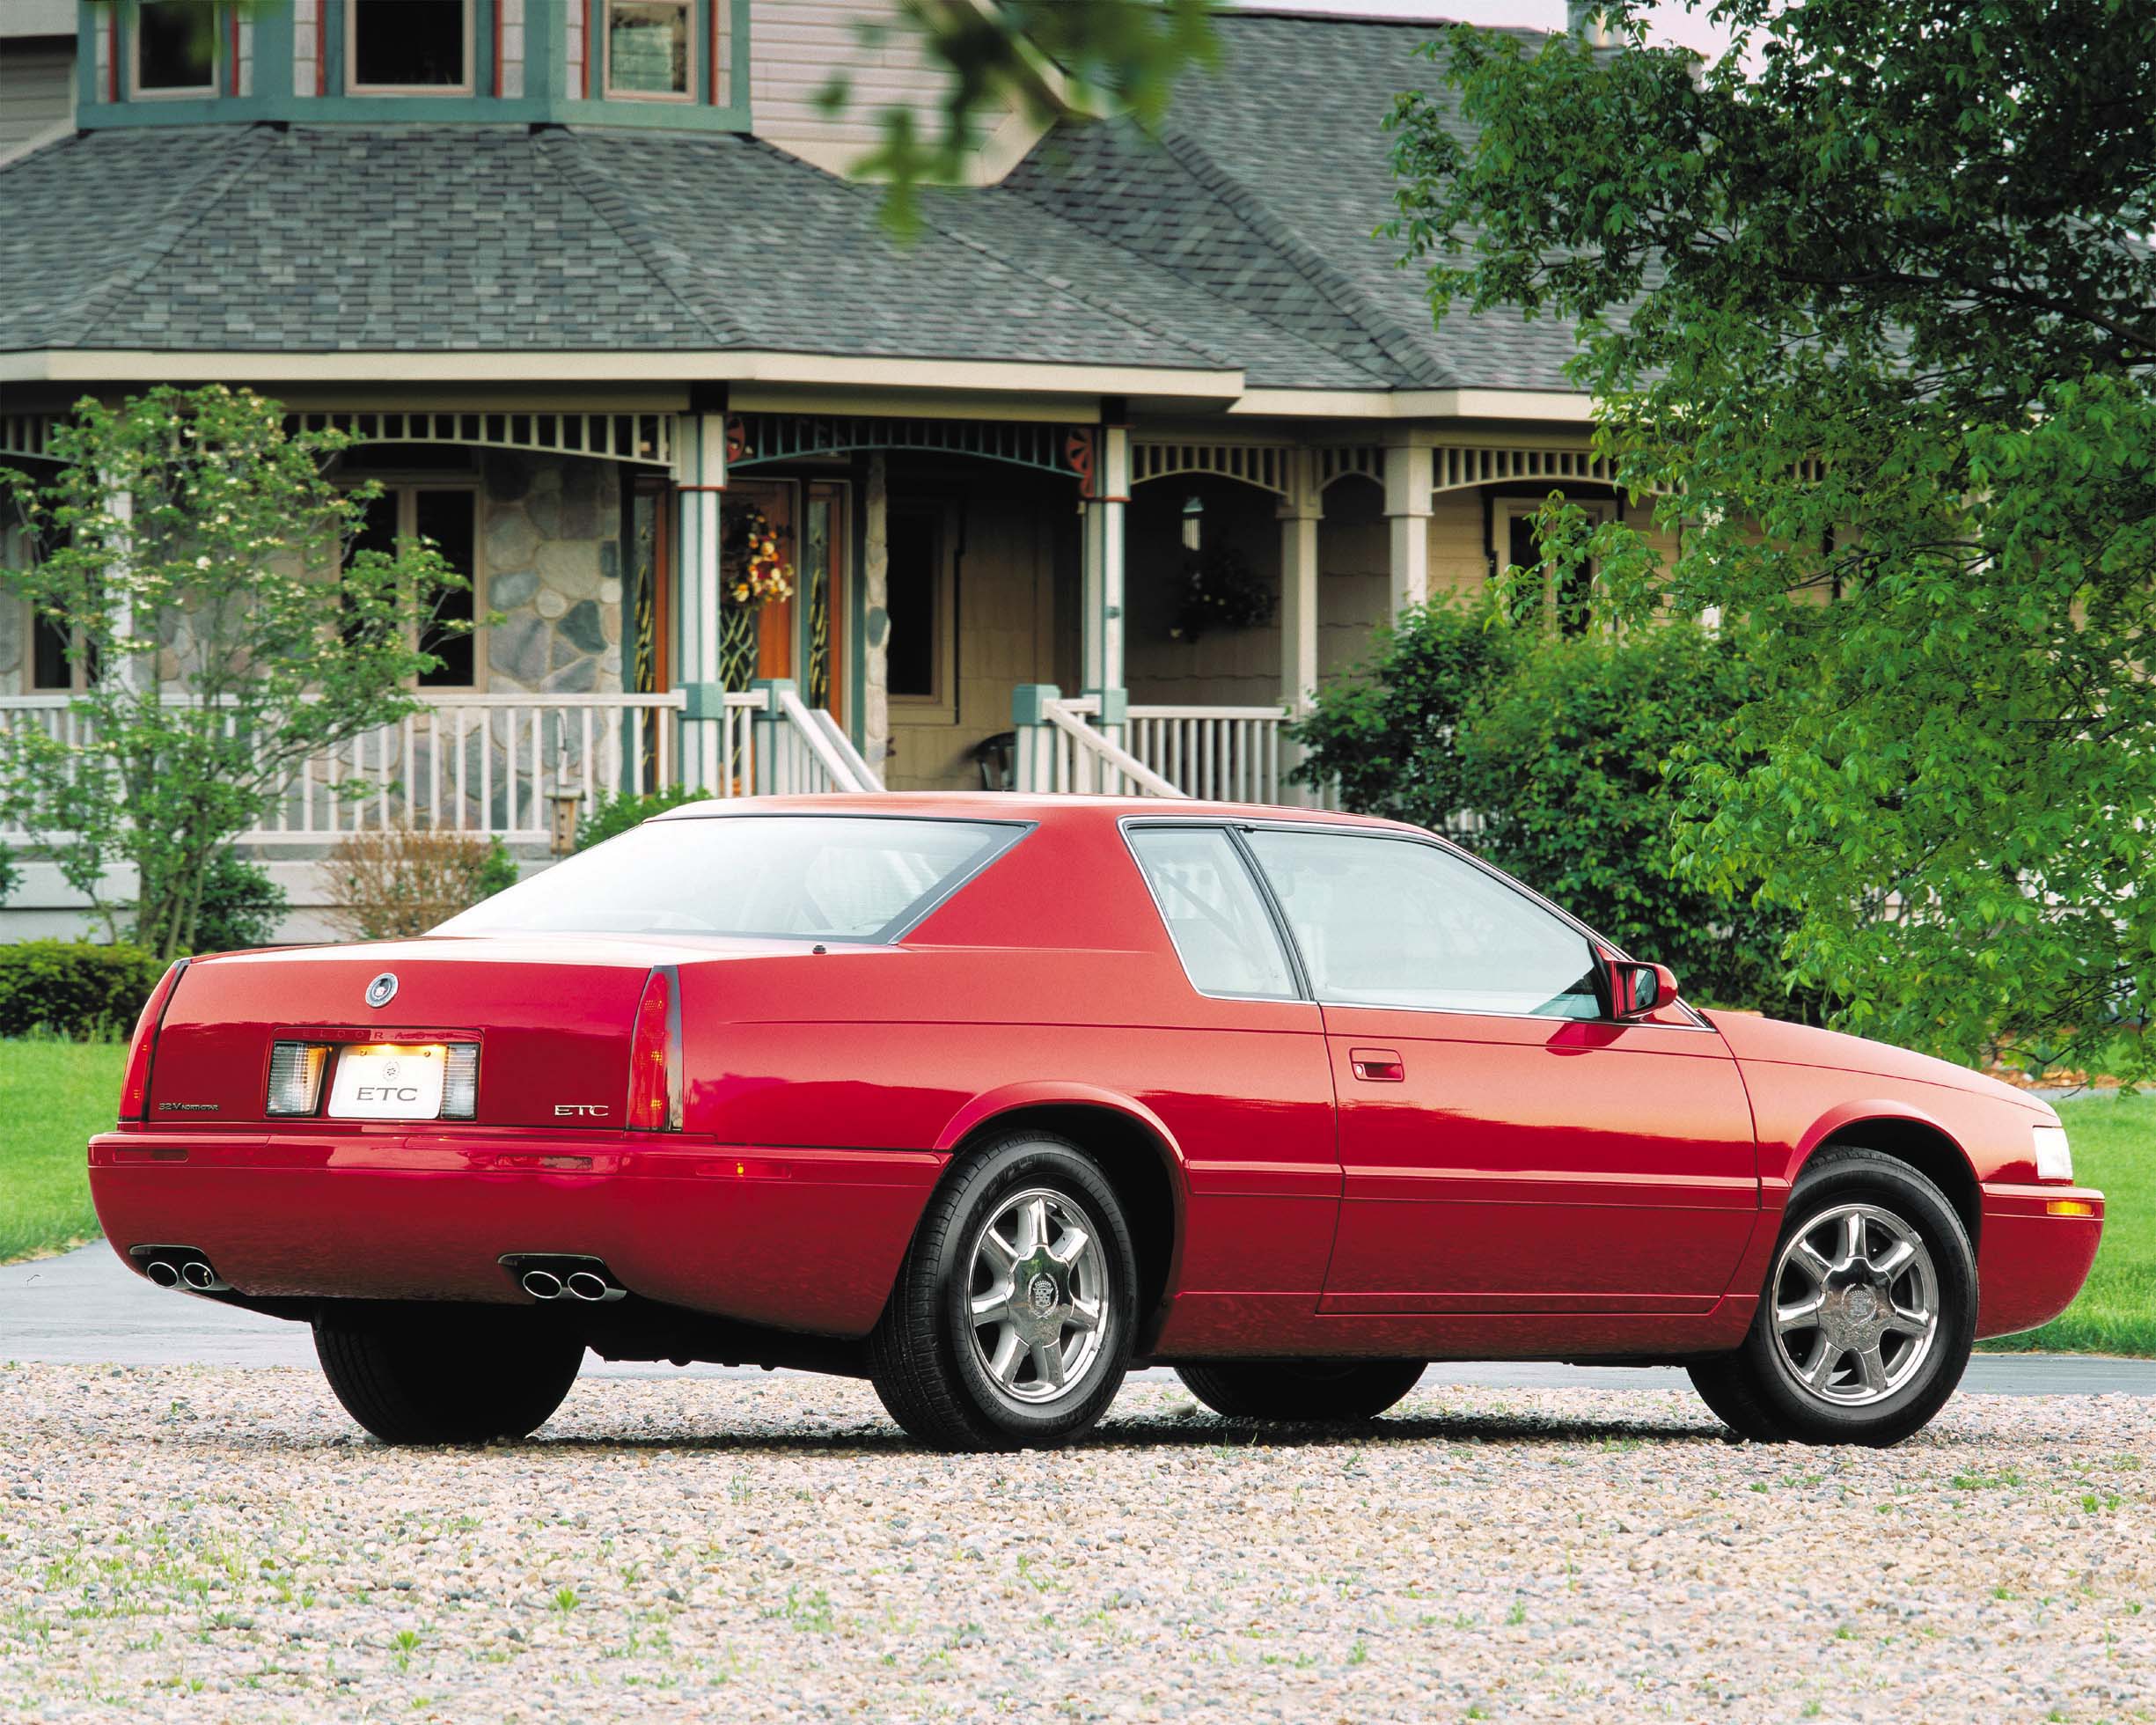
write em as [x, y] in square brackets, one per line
[550, 562]
[14, 645]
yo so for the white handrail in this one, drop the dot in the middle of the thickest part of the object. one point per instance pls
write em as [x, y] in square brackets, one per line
[1103, 751]
[795, 711]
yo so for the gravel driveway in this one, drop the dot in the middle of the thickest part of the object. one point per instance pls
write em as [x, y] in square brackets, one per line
[200, 1544]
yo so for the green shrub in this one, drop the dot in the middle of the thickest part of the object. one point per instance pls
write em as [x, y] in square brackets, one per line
[1560, 745]
[10, 876]
[73, 988]
[241, 905]
[615, 814]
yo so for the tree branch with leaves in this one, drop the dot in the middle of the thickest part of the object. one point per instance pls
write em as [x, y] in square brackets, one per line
[199, 561]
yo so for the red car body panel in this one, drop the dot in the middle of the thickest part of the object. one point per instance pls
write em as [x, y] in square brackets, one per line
[1523, 1188]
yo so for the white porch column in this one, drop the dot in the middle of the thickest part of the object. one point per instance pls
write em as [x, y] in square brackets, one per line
[1105, 497]
[1300, 512]
[700, 478]
[1407, 512]
[876, 610]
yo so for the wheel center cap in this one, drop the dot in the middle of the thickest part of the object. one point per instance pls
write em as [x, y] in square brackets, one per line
[1860, 1305]
[1041, 1295]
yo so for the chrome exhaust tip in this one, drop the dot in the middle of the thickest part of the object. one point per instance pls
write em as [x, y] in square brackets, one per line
[588, 1285]
[197, 1274]
[541, 1284]
[161, 1271]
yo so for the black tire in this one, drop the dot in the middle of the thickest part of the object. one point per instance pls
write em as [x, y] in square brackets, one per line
[454, 1374]
[929, 1369]
[1315, 1391]
[1759, 1389]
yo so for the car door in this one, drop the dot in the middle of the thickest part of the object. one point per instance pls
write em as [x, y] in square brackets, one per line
[1506, 1147]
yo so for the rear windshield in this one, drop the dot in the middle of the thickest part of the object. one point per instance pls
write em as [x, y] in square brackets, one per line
[810, 876]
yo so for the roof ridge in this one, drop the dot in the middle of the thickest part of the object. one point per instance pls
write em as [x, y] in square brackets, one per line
[182, 218]
[630, 225]
[1304, 258]
[1031, 192]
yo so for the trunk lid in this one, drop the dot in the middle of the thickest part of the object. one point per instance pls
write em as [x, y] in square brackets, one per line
[552, 1018]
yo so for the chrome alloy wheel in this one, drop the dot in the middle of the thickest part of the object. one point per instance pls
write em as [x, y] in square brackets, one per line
[1037, 1285]
[1856, 1305]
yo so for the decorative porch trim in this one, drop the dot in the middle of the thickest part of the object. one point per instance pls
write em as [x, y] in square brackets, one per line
[25, 437]
[754, 439]
[1463, 467]
[1268, 467]
[1342, 460]
[644, 438]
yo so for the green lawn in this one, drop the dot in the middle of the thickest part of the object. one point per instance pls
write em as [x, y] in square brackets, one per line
[58, 1093]
[55, 1095]
[2114, 1140]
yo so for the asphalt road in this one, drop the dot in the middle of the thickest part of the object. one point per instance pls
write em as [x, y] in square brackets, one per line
[85, 1308]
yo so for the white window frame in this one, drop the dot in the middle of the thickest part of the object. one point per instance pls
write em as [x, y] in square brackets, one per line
[404, 490]
[687, 7]
[354, 87]
[78, 671]
[186, 92]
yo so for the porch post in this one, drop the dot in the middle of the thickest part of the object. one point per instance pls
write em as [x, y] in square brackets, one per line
[700, 480]
[875, 614]
[1300, 512]
[1105, 496]
[1408, 479]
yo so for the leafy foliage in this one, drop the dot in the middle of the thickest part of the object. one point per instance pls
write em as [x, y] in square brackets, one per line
[201, 562]
[616, 813]
[1561, 748]
[10, 876]
[392, 882]
[1045, 58]
[1882, 312]
[241, 905]
[75, 989]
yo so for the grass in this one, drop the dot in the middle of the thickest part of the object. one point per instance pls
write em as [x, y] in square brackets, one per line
[2114, 1139]
[57, 1094]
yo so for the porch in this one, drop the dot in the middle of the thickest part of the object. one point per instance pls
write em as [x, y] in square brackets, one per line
[969, 602]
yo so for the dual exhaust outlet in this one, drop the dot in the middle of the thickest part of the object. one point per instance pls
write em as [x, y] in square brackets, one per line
[551, 1276]
[180, 1266]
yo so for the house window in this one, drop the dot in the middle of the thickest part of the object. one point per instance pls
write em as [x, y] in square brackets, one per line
[449, 516]
[921, 606]
[648, 49]
[403, 47]
[176, 47]
[1566, 604]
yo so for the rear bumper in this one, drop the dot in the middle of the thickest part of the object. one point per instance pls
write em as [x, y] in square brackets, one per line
[2030, 1262]
[801, 1239]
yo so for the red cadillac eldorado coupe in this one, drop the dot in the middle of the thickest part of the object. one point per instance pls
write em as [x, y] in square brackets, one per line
[986, 1098]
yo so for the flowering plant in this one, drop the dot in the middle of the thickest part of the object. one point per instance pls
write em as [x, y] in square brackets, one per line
[751, 562]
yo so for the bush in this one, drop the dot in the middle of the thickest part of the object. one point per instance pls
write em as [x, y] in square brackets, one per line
[403, 881]
[241, 905]
[615, 814]
[10, 876]
[1560, 746]
[73, 988]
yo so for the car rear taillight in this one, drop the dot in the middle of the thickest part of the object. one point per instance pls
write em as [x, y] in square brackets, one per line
[135, 1087]
[654, 1055]
[296, 1076]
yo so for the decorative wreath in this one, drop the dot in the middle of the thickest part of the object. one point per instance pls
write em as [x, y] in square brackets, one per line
[752, 560]
[1220, 592]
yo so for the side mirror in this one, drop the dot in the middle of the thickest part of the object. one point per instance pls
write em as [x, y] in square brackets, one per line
[1633, 990]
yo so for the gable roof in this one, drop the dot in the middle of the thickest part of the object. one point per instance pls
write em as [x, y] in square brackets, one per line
[1242, 240]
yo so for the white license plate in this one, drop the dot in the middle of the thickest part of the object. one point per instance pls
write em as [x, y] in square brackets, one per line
[403, 1083]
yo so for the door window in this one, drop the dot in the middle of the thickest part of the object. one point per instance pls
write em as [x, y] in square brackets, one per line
[1393, 922]
[1222, 929]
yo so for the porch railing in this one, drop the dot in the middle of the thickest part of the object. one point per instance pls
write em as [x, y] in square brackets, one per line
[494, 765]
[1229, 754]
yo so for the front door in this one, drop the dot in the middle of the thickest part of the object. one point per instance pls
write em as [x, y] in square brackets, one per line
[1504, 1146]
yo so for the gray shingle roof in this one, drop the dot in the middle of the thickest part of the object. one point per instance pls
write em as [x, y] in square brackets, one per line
[1241, 239]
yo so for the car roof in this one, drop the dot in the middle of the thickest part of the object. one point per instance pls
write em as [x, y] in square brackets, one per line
[1048, 810]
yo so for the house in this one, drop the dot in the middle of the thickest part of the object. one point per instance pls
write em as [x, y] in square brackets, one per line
[588, 278]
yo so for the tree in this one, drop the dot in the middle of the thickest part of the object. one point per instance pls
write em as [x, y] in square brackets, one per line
[1879, 315]
[1048, 58]
[1557, 746]
[201, 563]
